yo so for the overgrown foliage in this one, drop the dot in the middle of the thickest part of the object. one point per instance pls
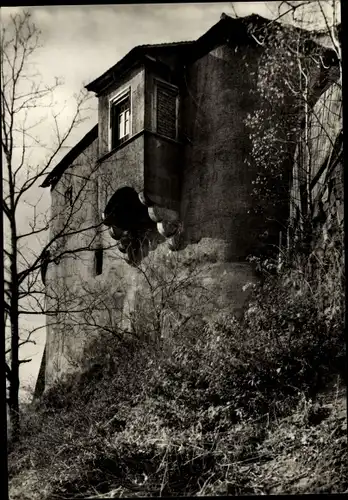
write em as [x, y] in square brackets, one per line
[204, 414]
[291, 129]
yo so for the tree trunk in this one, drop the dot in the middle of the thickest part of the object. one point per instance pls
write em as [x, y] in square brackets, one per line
[14, 318]
[14, 385]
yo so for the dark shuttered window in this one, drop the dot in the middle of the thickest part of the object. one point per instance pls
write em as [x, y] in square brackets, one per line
[98, 261]
[166, 105]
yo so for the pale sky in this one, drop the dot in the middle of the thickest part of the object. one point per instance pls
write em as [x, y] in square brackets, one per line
[81, 42]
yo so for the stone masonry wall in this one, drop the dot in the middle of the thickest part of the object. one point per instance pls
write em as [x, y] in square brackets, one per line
[217, 183]
[64, 277]
[212, 190]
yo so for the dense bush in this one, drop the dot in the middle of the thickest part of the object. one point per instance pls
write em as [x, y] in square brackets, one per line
[183, 416]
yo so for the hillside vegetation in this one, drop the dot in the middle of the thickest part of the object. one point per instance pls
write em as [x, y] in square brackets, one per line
[253, 406]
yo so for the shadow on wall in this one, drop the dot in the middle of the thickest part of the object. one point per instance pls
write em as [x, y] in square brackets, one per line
[217, 200]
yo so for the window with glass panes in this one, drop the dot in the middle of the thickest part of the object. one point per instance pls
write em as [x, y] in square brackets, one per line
[120, 121]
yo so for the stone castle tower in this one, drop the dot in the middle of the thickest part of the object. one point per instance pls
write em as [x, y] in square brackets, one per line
[163, 176]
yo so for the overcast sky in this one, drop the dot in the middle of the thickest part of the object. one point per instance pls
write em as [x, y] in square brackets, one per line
[81, 42]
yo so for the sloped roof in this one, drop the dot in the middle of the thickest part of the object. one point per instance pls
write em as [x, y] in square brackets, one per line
[186, 50]
[227, 28]
[132, 57]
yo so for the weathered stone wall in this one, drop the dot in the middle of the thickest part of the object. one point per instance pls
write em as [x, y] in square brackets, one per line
[327, 160]
[124, 167]
[203, 175]
[217, 182]
[215, 189]
[320, 154]
[64, 277]
[162, 174]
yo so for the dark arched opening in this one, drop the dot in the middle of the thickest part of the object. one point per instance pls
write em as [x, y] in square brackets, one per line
[129, 223]
[125, 211]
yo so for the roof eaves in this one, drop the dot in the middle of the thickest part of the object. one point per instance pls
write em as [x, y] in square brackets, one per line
[107, 75]
[214, 34]
[167, 44]
[127, 61]
[222, 32]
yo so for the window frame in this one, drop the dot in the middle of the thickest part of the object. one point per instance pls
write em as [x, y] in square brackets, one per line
[98, 261]
[158, 82]
[117, 101]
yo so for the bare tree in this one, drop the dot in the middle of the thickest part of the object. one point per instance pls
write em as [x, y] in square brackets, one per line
[26, 103]
[158, 297]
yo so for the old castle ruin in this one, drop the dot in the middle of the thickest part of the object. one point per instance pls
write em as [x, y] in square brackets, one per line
[163, 179]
